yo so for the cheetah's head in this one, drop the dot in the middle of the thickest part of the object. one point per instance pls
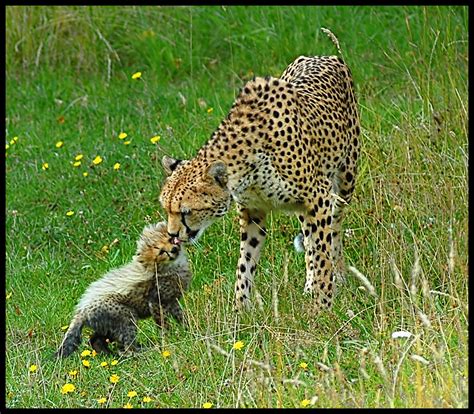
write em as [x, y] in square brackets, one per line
[194, 195]
[155, 247]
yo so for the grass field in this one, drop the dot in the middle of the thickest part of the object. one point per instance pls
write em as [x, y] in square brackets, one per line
[70, 92]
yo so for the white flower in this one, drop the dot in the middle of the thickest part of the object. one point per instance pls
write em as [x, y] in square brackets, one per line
[401, 334]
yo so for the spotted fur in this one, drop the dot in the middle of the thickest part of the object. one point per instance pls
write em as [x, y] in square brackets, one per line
[150, 285]
[288, 143]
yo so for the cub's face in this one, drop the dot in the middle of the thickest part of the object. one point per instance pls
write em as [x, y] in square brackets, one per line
[155, 246]
[194, 196]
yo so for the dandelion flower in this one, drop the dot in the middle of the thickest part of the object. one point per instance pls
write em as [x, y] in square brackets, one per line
[66, 388]
[166, 354]
[79, 157]
[147, 399]
[155, 139]
[132, 394]
[127, 142]
[305, 403]
[114, 362]
[116, 166]
[123, 135]
[104, 363]
[209, 110]
[59, 144]
[303, 365]
[94, 353]
[15, 139]
[70, 213]
[97, 160]
[102, 400]
[128, 405]
[77, 164]
[207, 405]
[45, 166]
[85, 174]
[238, 345]
[86, 363]
[85, 353]
[7, 146]
[73, 374]
[137, 75]
[114, 378]
[33, 368]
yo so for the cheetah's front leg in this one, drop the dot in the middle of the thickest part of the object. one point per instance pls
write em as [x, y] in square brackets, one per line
[317, 231]
[252, 237]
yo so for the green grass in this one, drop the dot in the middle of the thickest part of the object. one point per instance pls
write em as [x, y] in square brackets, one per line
[69, 79]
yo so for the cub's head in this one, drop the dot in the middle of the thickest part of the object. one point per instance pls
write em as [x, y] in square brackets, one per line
[154, 246]
[194, 195]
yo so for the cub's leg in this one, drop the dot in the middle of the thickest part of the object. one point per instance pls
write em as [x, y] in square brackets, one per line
[173, 308]
[252, 237]
[157, 313]
[316, 224]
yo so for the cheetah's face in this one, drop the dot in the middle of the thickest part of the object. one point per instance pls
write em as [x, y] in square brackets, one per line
[193, 196]
[155, 246]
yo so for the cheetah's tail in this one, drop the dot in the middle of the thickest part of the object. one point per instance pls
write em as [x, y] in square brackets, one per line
[298, 242]
[72, 338]
[333, 39]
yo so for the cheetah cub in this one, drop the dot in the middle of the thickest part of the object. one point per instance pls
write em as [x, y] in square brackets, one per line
[150, 285]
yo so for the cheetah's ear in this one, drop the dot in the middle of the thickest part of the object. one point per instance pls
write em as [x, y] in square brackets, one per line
[170, 164]
[217, 171]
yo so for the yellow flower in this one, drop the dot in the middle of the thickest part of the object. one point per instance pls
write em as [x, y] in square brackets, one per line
[68, 388]
[127, 142]
[207, 405]
[303, 365]
[132, 394]
[97, 160]
[128, 405]
[114, 378]
[209, 110]
[7, 146]
[104, 363]
[79, 157]
[77, 164]
[114, 362]
[15, 139]
[86, 363]
[305, 403]
[85, 174]
[33, 368]
[155, 139]
[102, 400]
[116, 166]
[70, 213]
[166, 354]
[238, 345]
[85, 353]
[59, 144]
[123, 135]
[73, 374]
[147, 399]
[94, 353]
[137, 75]
[45, 166]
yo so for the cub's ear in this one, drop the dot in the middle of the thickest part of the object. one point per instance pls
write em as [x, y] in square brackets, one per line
[170, 164]
[217, 171]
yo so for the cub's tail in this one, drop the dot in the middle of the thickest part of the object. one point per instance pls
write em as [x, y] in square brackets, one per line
[72, 339]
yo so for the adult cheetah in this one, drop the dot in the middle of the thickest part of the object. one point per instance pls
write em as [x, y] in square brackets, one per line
[288, 143]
